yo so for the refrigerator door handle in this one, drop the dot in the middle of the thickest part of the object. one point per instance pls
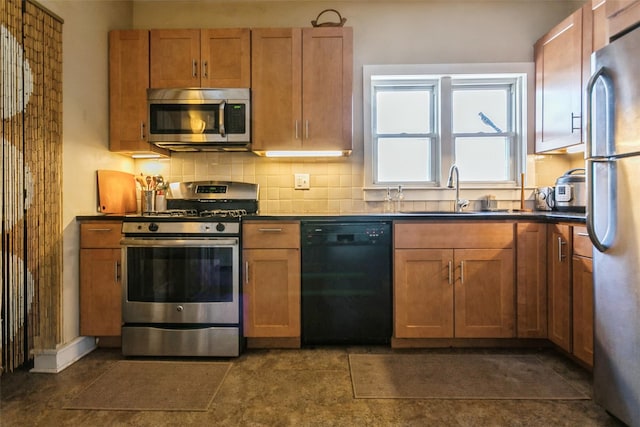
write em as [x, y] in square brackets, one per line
[604, 75]
[604, 243]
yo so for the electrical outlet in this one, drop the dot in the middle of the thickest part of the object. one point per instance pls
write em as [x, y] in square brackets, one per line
[301, 181]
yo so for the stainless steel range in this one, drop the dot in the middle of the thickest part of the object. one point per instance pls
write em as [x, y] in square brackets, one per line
[181, 270]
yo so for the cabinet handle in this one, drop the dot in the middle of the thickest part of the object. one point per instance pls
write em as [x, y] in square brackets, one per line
[142, 135]
[270, 230]
[99, 229]
[306, 129]
[450, 273]
[194, 68]
[583, 234]
[573, 120]
[462, 272]
[246, 272]
[561, 243]
[117, 271]
[297, 135]
[205, 71]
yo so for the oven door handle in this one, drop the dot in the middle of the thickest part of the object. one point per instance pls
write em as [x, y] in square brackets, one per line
[178, 242]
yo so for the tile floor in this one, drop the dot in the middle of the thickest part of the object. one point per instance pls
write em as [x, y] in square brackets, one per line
[306, 387]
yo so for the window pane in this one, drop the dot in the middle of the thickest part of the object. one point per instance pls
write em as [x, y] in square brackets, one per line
[480, 110]
[403, 111]
[404, 159]
[483, 158]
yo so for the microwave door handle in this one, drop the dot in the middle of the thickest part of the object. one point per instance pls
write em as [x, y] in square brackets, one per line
[221, 118]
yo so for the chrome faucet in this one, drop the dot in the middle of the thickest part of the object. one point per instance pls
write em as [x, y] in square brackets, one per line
[460, 203]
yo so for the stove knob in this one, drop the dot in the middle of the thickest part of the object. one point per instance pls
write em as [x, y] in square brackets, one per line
[220, 227]
[153, 227]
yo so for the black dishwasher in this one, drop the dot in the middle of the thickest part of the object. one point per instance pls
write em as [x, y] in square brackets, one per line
[346, 282]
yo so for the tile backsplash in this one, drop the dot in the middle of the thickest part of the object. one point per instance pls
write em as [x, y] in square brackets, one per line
[336, 186]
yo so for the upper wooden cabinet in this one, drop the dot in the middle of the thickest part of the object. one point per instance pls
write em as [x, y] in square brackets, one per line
[128, 83]
[622, 15]
[219, 58]
[302, 89]
[558, 64]
[563, 68]
[596, 30]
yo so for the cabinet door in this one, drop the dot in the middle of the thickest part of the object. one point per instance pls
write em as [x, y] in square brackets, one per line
[276, 84]
[271, 293]
[327, 80]
[531, 280]
[622, 15]
[583, 309]
[100, 292]
[614, 7]
[175, 58]
[484, 293]
[423, 293]
[225, 57]
[128, 83]
[558, 63]
[559, 285]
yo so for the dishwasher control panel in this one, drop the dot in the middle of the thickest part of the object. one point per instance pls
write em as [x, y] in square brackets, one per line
[353, 233]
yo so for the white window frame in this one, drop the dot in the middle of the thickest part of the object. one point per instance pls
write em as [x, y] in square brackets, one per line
[522, 72]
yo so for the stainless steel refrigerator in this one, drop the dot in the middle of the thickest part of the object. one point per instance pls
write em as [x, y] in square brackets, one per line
[613, 219]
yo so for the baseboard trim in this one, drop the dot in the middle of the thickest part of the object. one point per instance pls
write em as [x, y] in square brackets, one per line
[56, 360]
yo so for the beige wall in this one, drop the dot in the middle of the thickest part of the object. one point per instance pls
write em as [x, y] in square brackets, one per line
[428, 31]
[85, 127]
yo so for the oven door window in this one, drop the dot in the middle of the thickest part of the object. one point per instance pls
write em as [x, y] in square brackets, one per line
[180, 274]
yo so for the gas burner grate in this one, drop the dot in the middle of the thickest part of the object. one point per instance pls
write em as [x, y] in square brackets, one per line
[233, 213]
[173, 213]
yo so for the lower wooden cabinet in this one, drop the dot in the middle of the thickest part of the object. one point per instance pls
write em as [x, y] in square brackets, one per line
[423, 293]
[570, 298]
[582, 302]
[271, 282]
[531, 266]
[454, 280]
[559, 285]
[100, 279]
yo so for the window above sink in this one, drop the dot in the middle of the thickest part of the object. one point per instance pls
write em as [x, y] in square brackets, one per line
[420, 119]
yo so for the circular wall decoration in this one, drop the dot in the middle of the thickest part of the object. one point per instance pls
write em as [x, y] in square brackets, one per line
[14, 96]
[12, 169]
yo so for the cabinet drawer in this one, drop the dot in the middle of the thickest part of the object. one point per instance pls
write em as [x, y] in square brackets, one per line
[453, 235]
[271, 234]
[100, 234]
[581, 243]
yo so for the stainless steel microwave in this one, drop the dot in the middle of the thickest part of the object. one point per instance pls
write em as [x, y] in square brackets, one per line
[194, 119]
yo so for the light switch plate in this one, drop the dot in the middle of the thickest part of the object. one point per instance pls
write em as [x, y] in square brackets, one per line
[301, 181]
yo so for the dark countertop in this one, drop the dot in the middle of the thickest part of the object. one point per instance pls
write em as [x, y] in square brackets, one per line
[550, 216]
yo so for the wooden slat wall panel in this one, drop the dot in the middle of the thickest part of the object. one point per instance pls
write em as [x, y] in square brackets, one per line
[32, 166]
[13, 277]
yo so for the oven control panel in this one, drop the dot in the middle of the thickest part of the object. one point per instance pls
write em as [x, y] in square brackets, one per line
[182, 227]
